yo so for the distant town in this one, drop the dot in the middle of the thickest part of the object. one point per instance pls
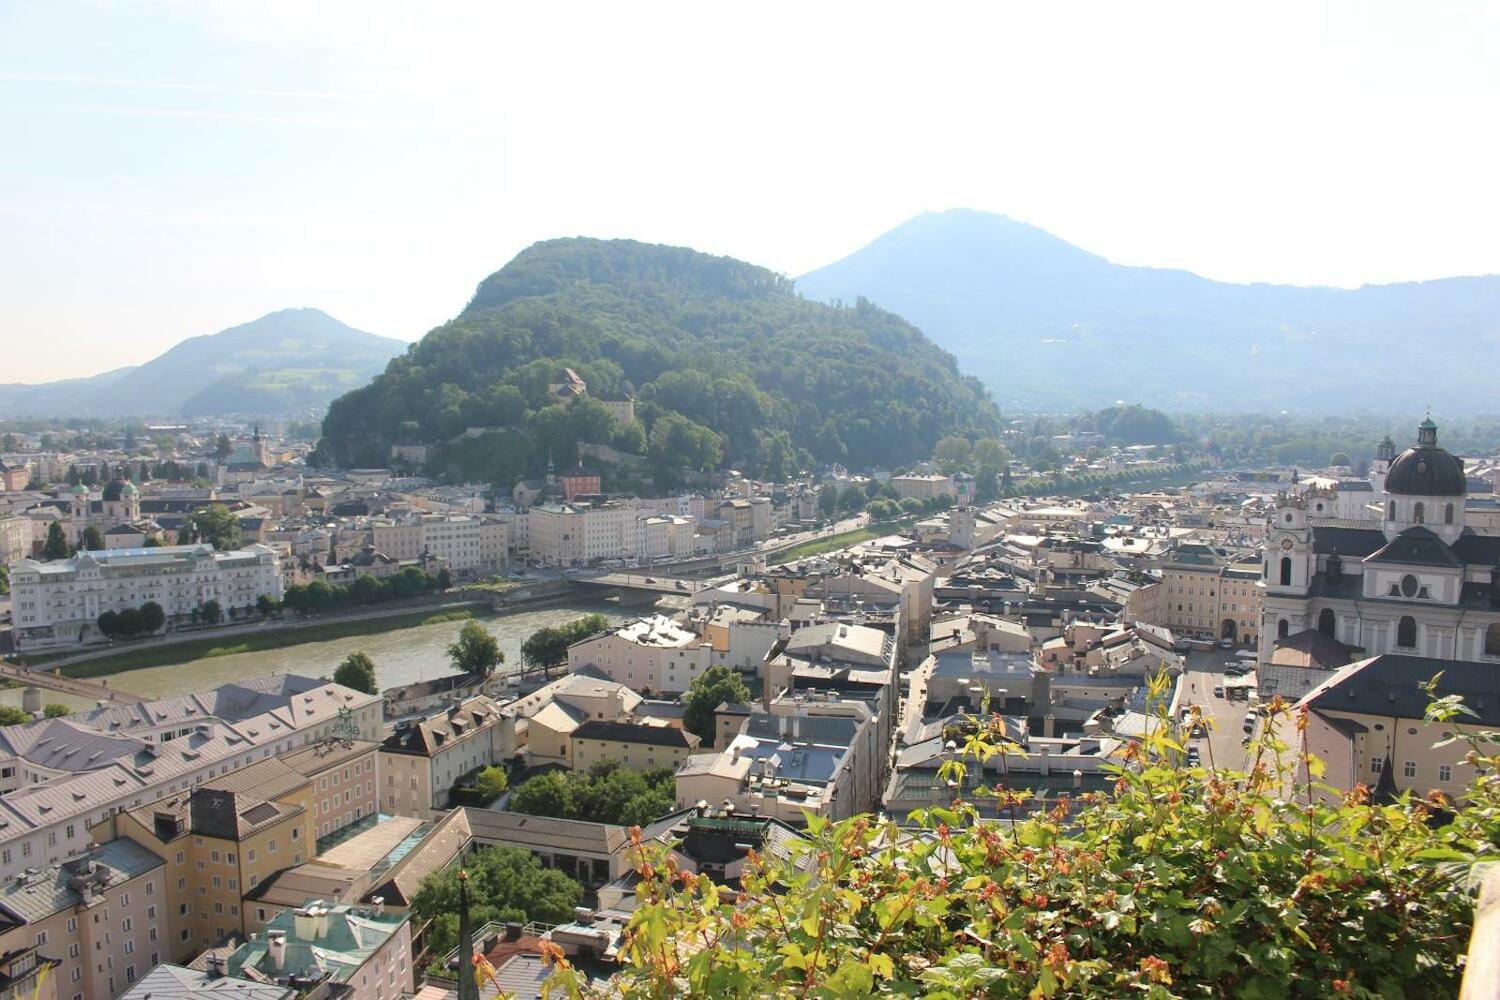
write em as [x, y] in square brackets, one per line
[777, 652]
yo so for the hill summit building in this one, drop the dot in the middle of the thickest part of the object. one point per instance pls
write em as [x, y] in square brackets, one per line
[1409, 577]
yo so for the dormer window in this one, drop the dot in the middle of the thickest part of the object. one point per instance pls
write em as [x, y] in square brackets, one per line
[1417, 512]
[1410, 585]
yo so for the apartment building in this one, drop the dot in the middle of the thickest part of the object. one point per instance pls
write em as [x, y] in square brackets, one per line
[64, 780]
[637, 745]
[468, 543]
[59, 602]
[1205, 593]
[15, 537]
[420, 761]
[87, 928]
[363, 949]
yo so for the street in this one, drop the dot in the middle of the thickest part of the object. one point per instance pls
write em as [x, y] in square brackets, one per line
[1222, 745]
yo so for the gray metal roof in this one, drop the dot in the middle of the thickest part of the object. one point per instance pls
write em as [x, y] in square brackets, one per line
[29, 898]
[173, 982]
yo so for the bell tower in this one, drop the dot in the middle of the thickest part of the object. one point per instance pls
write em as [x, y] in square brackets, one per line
[1289, 558]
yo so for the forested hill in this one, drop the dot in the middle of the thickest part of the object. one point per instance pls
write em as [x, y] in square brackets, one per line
[729, 367]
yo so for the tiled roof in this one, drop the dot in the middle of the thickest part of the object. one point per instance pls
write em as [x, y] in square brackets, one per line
[546, 833]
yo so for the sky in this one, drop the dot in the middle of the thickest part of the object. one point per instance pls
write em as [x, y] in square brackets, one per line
[172, 169]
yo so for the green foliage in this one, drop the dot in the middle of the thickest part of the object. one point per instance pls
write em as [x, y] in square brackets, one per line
[710, 689]
[54, 710]
[131, 622]
[213, 524]
[953, 454]
[10, 715]
[93, 539]
[547, 647]
[210, 612]
[4, 579]
[505, 884]
[475, 651]
[357, 672]
[1180, 882]
[56, 545]
[320, 595]
[492, 781]
[153, 616]
[728, 364]
[605, 793]
[1132, 424]
[267, 605]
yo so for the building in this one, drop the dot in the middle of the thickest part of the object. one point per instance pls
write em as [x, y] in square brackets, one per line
[174, 982]
[653, 654]
[91, 926]
[1206, 592]
[634, 744]
[580, 481]
[920, 487]
[64, 779]
[1367, 722]
[466, 543]
[362, 948]
[421, 761]
[59, 602]
[1421, 582]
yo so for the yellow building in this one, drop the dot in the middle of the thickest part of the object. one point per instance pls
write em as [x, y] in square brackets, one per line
[635, 745]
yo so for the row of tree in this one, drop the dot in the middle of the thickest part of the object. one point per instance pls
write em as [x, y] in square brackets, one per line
[131, 622]
[474, 651]
[10, 715]
[320, 595]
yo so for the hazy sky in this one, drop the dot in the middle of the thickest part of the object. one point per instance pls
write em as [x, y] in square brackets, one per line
[171, 169]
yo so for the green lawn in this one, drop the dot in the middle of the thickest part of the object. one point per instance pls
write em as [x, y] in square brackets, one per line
[840, 541]
[181, 652]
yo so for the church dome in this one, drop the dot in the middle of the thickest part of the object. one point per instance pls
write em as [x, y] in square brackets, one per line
[80, 490]
[115, 489]
[1426, 470]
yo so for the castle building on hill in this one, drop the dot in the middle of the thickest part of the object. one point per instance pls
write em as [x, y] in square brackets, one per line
[1418, 581]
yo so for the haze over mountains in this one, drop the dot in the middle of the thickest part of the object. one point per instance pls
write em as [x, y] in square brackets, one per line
[1047, 325]
[287, 361]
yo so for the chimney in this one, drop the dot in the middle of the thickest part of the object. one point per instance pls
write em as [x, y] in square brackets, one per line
[215, 965]
[276, 948]
[1335, 567]
[379, 902]
[305, 923]
[1077, 778]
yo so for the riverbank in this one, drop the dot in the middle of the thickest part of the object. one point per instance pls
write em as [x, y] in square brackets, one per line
[293, 634]
[842, 540]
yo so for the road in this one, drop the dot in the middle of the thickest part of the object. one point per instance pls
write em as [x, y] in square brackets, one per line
[68, 685]
[1223, 745]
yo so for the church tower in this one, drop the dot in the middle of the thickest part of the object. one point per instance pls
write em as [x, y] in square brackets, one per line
[1385, 454]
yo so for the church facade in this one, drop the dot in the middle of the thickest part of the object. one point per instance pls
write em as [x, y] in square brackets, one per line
[1410, 577]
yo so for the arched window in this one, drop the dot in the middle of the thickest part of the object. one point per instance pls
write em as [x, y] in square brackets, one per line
[1282, 627]
[1492, 641]
[1448, 514]
[1417, 512]
[1286, 571]
[1326, 623]
[1406, 633]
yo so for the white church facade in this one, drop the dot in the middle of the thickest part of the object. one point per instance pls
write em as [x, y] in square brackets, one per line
[1411, 577]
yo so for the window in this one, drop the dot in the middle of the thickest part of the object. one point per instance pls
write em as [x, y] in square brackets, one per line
[41, 938]
[1286, 571]
[1445, 772]
[1282, 628]
[1448, 514]
[1326, 623]
[1409, 769]
[1375, 763]
[1410, 586]
[1492, 641]
[1406, 633]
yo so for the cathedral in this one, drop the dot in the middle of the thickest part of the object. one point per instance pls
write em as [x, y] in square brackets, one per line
[1409, 576]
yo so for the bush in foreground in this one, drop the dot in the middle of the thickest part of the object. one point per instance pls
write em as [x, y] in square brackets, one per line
[1179, 883]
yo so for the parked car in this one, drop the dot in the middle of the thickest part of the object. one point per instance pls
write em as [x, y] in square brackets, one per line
[1194, 758]
[1218, 690]
[1226, 643]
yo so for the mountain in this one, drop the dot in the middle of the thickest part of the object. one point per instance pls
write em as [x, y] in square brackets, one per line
[727, 364]
[285, 362]
[1047, 325]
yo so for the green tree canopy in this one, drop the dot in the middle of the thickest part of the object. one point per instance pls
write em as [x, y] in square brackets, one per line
[357, 672]
[93, 539]
[153, 616]
[710, 689]
[475, 651]
[547, 647]
[215, 525]
[606, 793]
[10, 715]
[505, 884]
[55, 710]
[56, 545]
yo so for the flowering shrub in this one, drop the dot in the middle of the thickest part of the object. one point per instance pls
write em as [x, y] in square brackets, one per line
[1181, 882]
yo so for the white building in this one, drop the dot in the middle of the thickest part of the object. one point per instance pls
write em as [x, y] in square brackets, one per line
[654, 654]
[467, 543]
[59, 602]
[1420, 581]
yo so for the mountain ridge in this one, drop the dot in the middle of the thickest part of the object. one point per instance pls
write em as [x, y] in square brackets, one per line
[287, 360]
[1022, 308]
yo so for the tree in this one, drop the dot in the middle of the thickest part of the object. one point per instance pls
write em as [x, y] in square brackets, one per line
[444, 579]
[475, 651]
[215, 525]
[986, 484]
[953, 454]
[988, 451]
[211, 612]
[10, 715]
[357, 672]
[547, 794]
[505, 884]
[605, 793]
[56, 545]
[851, 497]
[492, 782]
[55, 710]
[710, 689]
[828, 500]
[266, 605]
[4, 579]
[93, 539]
[222, 447]
[1341, 458]
[153, 616]
[547, 647]
[108, 624]
[132, 622]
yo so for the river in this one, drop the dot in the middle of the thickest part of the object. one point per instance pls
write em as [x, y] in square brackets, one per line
[401, 655]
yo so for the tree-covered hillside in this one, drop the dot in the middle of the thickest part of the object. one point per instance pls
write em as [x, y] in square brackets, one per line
[727, 364]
